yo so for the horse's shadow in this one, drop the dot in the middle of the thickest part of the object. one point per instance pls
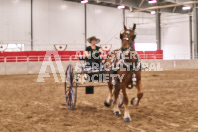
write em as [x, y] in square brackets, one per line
[136, 112]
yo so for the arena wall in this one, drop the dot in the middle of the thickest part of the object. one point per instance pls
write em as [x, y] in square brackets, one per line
[11, 68]
[175, 33]
[15, 23]
[2, 69]
[146, 27]
[63, 22]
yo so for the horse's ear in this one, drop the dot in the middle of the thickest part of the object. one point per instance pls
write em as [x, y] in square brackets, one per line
[125, 28]
[134, 27]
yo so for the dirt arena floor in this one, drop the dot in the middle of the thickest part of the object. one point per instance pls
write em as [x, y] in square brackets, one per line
[170, 104]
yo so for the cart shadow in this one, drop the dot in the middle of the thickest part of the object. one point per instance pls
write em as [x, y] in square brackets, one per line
[87, 108]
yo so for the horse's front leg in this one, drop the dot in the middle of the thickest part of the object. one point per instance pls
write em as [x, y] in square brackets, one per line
[139, 86]
[116, 93]
[108, 101]
[127, 117]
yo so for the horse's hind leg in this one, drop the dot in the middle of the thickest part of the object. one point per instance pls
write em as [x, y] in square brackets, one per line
[108, 101]
[139, 86]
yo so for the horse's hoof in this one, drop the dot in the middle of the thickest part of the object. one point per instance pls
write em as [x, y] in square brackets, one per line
[128, 119]
[106, 104]
[117, 113]
[134, 101]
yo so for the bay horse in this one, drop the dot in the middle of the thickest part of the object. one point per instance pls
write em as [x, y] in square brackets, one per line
[127, 47]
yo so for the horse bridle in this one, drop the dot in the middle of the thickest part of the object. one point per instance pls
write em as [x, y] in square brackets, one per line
[128, 39]
[127, 50]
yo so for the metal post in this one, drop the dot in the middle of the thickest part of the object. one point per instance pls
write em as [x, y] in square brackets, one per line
[191, 43]
[31, 24]
[85, 26]
[124, 16]
[158, 30]
[195, 23]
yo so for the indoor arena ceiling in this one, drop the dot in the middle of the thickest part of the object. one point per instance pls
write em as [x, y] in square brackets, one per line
[138, 5]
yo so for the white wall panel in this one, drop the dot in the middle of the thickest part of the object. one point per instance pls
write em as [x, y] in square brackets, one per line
[3, 69]
[15, 22]
[175, 36]
[62, 22]
[146, 28]
[58, 22]
[11, 68]
[16, 68]
[105, 23]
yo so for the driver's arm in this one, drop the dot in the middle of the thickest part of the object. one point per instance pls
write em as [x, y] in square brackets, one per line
[100, 50]
[87, 54]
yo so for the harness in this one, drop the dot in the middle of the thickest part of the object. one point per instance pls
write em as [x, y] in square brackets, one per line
[120, 59]
[119, 62]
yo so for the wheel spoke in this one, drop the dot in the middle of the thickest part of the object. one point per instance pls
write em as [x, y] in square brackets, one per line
[70, 89]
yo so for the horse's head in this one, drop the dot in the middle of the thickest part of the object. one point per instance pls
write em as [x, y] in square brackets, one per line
[128, 36]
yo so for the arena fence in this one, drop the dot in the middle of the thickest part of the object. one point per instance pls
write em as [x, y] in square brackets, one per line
[4, 59]
[32, 61]
[38, 56]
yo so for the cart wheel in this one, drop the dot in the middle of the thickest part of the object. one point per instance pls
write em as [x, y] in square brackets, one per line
[70, 87]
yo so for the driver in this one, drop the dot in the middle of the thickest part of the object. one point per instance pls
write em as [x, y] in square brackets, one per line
[93, 52]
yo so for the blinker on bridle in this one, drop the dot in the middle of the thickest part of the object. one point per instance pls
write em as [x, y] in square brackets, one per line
[127, 39]
[127, 32]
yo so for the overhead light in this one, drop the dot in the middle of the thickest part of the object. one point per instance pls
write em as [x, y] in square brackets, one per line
[153, 12]
[84, 1]
[121, 7]
[152, 1]
[186, 8]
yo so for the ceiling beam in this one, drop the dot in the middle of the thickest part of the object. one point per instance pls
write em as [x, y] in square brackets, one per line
[141, 4]
[166, 6]
[174, 9]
